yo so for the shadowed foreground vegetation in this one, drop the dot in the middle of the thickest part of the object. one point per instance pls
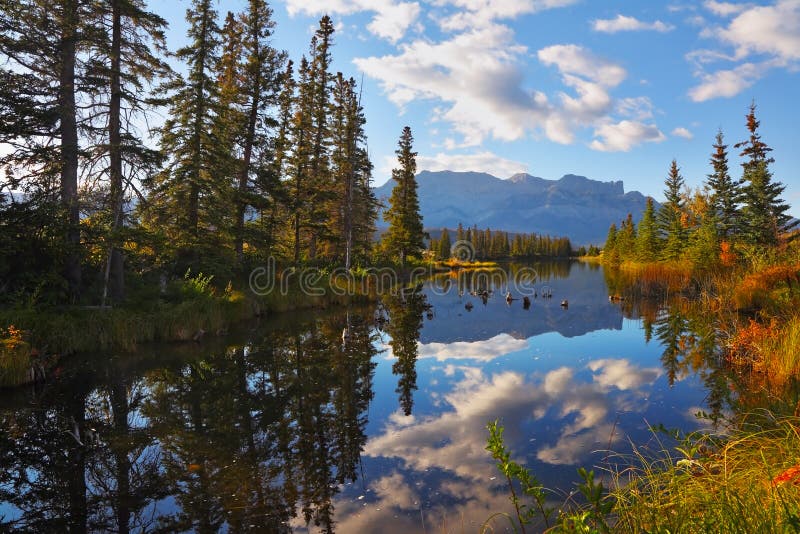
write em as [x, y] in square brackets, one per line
[745, 481]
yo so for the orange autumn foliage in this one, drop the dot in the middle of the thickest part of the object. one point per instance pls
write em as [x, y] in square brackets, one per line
[726, 254]
[789, 475]
[753, 291]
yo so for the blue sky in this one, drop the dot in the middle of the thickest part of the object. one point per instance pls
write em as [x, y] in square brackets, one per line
[612, 90]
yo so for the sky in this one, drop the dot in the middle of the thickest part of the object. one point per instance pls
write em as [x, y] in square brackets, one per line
[611, 90]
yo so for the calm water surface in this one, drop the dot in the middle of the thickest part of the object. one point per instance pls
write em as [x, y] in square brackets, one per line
[290, 426]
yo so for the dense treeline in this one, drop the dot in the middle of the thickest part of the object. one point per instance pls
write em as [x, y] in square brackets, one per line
[713, 225]
[472, 243]
[252, 155]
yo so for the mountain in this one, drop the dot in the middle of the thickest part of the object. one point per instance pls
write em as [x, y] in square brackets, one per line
[573, 206]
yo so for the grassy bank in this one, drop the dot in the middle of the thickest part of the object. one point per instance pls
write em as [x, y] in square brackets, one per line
[34, 338]
[748, 481]
[755, 306]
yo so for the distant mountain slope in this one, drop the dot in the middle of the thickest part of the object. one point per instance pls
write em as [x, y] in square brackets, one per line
[573, 206]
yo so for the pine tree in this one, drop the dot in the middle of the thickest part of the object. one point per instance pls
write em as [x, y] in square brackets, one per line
[125, 62]
[444, 245]
[704, 246]
[626, 238]
[404, 237]
[647, 242]
[764, 213]
[671, 216]
[300, 190]
[354, 205]
[260, 85]
[43, 45]
[189, 201]
[725, 191]
[320, 81]
[610, 249]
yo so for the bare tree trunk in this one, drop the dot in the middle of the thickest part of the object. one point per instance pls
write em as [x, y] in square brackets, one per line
[117, 262]
[69, 146]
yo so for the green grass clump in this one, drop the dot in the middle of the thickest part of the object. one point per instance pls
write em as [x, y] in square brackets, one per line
[748, 481]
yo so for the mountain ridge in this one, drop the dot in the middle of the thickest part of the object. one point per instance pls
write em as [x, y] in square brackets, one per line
[573, 206]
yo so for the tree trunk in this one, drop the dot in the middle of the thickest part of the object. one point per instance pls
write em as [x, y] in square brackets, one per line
[246, 160]
[117, 273]
[69, 146]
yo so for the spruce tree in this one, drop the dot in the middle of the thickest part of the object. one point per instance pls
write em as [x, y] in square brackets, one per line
[126, 60]
[610, 249]
[764, 213]
[626, 238]
[320, 81]
[725, 191]
[189, 202]
[444, 245]
[647, 242]
[404, 237]
[670, 219]
[354, 206]
[261, 86]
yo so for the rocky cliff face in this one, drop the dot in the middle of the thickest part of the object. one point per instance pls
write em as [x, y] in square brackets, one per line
[573, 206]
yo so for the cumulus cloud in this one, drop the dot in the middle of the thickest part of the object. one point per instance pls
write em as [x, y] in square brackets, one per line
[479, 162]
[476, 73]
[391, 19]
[623, 23]
[761, 38]
[624, 135]
[636, 108]
[476, 80]
[724, 9]
[682, 132]
[772, 30]
[726, 83]
[576, 60]
[479, 13]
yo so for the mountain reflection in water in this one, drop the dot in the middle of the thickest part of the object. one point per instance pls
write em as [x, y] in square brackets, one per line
[325, 422]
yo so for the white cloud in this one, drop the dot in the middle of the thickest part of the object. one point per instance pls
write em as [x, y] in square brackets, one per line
[636, 108]
[479, 13]
[726, 83]
[623, 23]
[576, 60]
[475, 79]
[772, 33]
[621, 374]
[476, 73]
[682, 132]
[479, 162]
[772, 30]
[724, 9]
[624, 135]
[391, 19]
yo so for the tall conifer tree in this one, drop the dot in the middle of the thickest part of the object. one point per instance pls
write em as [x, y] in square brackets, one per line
[405, 234]
[672, 214]
[724, 190]
[188, 196]
[763, 211]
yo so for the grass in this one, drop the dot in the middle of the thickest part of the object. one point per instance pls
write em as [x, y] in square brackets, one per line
[454, 263]
[748, 481]
[745, 481]
[16, 361]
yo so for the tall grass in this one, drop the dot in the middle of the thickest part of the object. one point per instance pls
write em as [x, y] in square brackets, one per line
[16, 363]
[746, 482]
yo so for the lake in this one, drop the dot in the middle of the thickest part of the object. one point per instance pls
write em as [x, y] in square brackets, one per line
[330, 421]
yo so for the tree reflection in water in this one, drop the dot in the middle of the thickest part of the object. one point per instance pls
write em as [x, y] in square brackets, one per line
[405, 321]
[240, 437]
